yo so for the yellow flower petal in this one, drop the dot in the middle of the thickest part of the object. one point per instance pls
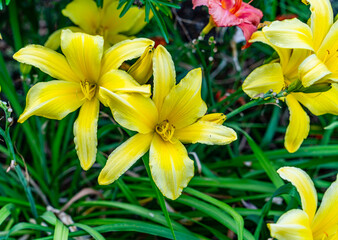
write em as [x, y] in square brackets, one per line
[321, 20]
[299, 125]
[184, 105]
[121, 82]
[297, 57]
[53, 99]
[264, 78]
[48, 61]
[140, 22]
[83, 53]
[123, 157]
[85, 133]
[54, 40]
[123, 51]
[320, 103]
[325, 222]
[290, 33]
[83, 13]
[283, 53]
[132, 111]
[311, 70]
[328, 51]
[170, 166]
[207, 133]
[293, 224]
[305, 188]
[164, 75]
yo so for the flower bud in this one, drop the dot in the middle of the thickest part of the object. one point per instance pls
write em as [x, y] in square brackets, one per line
[296, 86]
[218, 118]
[25, 69]
[142, 69]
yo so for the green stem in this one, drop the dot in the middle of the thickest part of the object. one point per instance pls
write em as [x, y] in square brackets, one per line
[13, 19]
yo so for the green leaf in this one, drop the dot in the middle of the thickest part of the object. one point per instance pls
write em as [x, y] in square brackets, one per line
[49, 217]
[60, 231]
[5, 211]
[94, 233]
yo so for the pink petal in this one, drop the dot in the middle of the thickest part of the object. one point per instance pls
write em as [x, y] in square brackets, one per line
[248, 29]
[221, 16]
[250, 14]
[197, 3]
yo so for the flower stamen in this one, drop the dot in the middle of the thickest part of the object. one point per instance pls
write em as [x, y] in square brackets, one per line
[88, 89]
[165, 130]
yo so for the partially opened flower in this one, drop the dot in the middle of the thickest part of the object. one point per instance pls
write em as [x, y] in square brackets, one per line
[173, 116]
[103, 21]
[227, 13]
[80, 72]
[282, 73]
[308, 223]
[320, 39]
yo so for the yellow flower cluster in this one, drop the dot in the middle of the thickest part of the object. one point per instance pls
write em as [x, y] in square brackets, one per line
[307, 68]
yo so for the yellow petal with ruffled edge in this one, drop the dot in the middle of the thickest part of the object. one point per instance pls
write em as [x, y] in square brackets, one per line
[119, 81]
[264, 78]
[123, 51]
[170, 166]
[305, 188]
[207, 133]
[123, 157]
[164, 75]
[312, 70]
[54, 40]
[53, 99]
[328, 51]
[299, 125]
[320, 103]
[283, 53]
[321, 19]
[184, 105]
[85, 133]
[293, 224]
[83, 53]
[289, 34]
[48, 61]
[83, 13]
[132, 111]
[325, 222]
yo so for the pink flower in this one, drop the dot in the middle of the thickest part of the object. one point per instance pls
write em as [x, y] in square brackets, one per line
[227, 13]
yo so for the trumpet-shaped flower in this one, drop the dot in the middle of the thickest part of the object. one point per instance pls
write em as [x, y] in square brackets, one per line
[173, 116]
[308, 223]
[104, 21]
[320, 39]
[79, 74]
[282, 73]
[227, 13]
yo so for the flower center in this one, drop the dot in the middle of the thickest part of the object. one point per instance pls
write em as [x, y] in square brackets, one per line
[88, 89]
[165, 130]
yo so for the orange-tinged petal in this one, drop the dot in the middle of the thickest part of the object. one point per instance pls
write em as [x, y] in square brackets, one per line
[132, 111]
[320, 103]
[325, 222]
[85, 133]
[164, 75]
[48, 61]
[207, 133]
[123, 51]
[170, 166]
[184, 105]
[299, 125]
[264, 78]
[83, 13]
[83, 53]
[123, 157]
[54, 99]
[293, 224]
[305, 188]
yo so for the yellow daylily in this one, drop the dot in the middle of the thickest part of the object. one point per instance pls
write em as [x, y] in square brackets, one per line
[320, 38]
[309, 223]
[173, 116]
[280, 74]
[80, 72]
[104, 21]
